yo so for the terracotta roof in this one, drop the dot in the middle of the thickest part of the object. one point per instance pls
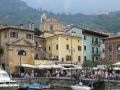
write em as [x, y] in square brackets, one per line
[85, 31]
[16, 29]
[113, 37]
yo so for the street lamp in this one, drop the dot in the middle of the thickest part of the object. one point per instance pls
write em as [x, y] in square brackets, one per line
[21, 53]
[72, 34]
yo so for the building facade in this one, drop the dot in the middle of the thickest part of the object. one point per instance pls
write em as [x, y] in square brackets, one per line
[14, 39]
[92, 43]
[64, 48]
[50, 24]
[112, 48]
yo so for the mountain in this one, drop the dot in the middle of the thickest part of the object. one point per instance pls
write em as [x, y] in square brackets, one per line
[15, 12]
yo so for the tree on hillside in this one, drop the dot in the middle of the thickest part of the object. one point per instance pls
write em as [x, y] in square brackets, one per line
[1, 53]
[38, 32]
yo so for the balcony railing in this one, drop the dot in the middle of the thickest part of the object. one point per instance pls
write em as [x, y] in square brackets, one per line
[95, 43]
[96, 53]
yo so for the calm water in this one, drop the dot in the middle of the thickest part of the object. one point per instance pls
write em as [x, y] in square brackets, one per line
[64, 89]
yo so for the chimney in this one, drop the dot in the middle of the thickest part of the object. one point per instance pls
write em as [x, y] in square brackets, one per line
[21, 26]
[32, 26]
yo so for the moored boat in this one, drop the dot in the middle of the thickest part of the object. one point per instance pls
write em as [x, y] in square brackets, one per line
[80, 86]
[6, 83]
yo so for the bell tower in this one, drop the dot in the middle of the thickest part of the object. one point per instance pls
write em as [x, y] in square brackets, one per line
[43, 17]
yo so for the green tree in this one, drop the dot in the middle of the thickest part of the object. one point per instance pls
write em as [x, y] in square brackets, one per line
[88, 63]
[1, 53]
[38, 32]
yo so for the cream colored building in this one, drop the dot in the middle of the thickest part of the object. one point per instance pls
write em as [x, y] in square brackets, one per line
[14, 39]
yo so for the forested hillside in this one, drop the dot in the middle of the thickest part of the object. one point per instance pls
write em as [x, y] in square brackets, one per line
[15, 12]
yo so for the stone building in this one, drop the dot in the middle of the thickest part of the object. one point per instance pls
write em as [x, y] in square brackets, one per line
[50, 24]
[14, 39]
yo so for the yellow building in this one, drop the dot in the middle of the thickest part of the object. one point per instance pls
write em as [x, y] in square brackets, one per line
[64, 48]
[60, 47]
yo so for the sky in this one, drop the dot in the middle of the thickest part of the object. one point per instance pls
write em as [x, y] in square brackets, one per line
[76, 6]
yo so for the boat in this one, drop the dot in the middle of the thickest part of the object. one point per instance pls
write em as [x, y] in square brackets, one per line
[36, 86]
[80, 86]
[6, 83]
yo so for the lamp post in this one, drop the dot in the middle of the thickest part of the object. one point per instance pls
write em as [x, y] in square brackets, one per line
[21, 53]
[72, 34]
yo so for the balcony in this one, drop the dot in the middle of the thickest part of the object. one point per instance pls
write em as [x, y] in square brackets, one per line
[96, 53]
[96, 44]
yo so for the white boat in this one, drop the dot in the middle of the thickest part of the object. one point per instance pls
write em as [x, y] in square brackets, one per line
[80, 86]
[6, 83]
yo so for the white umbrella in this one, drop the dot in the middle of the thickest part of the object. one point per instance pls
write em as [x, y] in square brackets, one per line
[47, 66]
[116, 68]
[117, 64]
[56, 66]
[42, 66]
[27, 65]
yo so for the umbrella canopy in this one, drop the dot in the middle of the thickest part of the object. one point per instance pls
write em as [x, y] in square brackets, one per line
[116, 68]
[116, 64]
[47, 66]
[27, 66]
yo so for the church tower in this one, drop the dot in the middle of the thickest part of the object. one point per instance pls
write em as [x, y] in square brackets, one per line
[43, 17]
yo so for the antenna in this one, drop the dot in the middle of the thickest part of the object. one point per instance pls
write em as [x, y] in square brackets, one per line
[67, 6]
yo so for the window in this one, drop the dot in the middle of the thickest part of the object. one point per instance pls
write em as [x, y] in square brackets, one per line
[14, 34]
[93, 59]
[92, 39]
[110, 48]
[51, 27]
[56, 46]
[84, 37]
[36, 56]
[62, 59]
[85, 48]
[5, 34]
[118, 57]
[97, 51]
[49, 48]
[85, 58]
[29, 36]
[68, 57]
[44, 49]
[79, 58]
[36, 44]
[96, 40]
[57, 57]
[79, 48]
[110, 57]
[92, 49]
[118, 47]
[67, 47]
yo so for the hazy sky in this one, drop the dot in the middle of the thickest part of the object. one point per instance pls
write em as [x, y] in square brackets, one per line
[75, 6]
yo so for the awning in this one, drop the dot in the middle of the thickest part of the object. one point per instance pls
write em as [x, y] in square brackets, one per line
[116, 68]
[116, 64]
[27, 66]
[47, 66]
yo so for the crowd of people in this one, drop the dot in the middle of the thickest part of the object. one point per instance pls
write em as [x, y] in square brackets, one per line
[75, 74]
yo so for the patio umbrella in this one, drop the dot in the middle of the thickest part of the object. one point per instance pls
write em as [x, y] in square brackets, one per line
[27, 66]
[47, 66]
